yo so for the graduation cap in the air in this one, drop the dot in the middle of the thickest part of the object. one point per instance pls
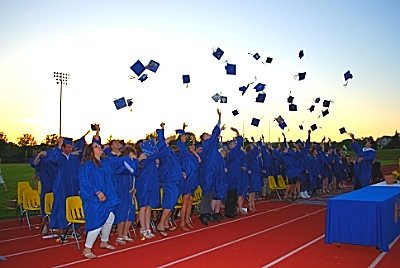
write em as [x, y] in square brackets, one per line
[292, 107]
[259, 87]
[120, 103]
[301, 127]
[301, 54]
[268, 60]
[129, 102]
[235, 112]
[281, 122]
[138, 68]
[342, 130]
[223, 99]
[282, 125]
[143, 78]
[301, 76]
[290, 98]
[230, 69]
[256, 56]
[186, 79]
[312, 107]
[243, 89]
[152, 66]
[325, 112]
[347, 76]
[216, 97]
[326, 103]
[317, 100]
[218, 53]
[255, 122]
[313, 127]
[261, 97]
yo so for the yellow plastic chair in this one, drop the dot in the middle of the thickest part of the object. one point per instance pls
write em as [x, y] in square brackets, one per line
[196, 201]
[274, 188]
[31, 202]
[22, 186]
[74, 215]
[281, 181]
[39, 187]
[48, 205]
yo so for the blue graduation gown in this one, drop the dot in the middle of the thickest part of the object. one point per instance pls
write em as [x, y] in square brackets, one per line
[66, 184]
[91, 180]
[363, 169]
[253, 163]
[233, 165]
[190, 165]
[172, 179]
[243, 184]
[221, 181]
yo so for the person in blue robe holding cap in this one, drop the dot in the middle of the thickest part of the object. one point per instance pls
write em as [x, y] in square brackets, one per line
[66, 181]
[209, 170]
[363, 163]
[253, 163]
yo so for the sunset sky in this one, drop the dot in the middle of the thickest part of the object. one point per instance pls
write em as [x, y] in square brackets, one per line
[97, 41]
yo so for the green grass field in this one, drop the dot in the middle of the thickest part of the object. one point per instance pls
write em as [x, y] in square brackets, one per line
[14, 173]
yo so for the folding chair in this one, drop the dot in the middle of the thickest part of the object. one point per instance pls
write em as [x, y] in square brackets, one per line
[281, 181]
[74, 215]
[158, 211]
[48, 205]
[196, 201]
[22, 186]
[31, 202]
[175, 213]
[274, 188]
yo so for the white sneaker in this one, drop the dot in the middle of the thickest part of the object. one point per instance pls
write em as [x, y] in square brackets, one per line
[303, 195]
[307, 194]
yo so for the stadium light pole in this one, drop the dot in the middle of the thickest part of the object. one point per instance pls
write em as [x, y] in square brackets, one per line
[62, 79]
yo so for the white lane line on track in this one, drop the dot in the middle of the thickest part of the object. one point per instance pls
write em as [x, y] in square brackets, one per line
[293, 252]
[240, 239]
[380, 256]
[177, 236]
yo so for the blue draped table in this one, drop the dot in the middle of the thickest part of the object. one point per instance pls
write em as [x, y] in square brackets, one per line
[368, 216]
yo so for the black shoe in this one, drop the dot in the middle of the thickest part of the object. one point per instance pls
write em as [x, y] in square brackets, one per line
[203, 219]
[218, 216]
[230, 216]
[211, 217]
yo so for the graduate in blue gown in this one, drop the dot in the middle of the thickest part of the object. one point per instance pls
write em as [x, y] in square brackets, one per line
[47, 172]
[66, 181]
[363, 163]
[253, 163]
[221, 185]
[209, 170]
[316, 168]
[147, 183]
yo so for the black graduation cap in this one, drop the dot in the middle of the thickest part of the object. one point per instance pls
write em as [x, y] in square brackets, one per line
[301, 127]
[235, 112]
[223, 99]
[186, 79]
[313, 127]
[120, 103]
[269, 60]
[255, 122]
[347, 76]
[290, 98]
[325, 113]
[301, 54]
[143, 78]
[179, 132]
[216, 97]
[152, 66]
[292, 107]
[279, 119]
[67, 141]
[261, 97]
[282, 125]
[218, 53]
[243, 89]
[317, 100]
[301, 76]
[326, 103]
[138, 68]
[230, 69]
[256, 56]
[312, 107]
[129, 102]
[342, 130]
[259, 87]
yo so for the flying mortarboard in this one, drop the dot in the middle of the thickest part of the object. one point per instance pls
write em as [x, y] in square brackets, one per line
[313, 127]
[223, 99]
[153, 66]
[312, 107]
[325, 113]
[256, 56]
[342, 130]
[243, 89]
[282, 125]
[216, 97]
[235, 112]
[301, 76]
[255, 122]
[218, 53]
[301, 127]
[261, 97]
[120, 103]
[301, 54]
[292, 107]
[269, 60]
[230, 69]
[317, 100]
[186, 79]
[347, 76]
[290, 98]
[143, 78]
[279, 119]
[259, 87]
[326, 103]
[138, 68]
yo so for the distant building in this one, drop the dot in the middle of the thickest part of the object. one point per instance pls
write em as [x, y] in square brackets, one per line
[383, 142]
